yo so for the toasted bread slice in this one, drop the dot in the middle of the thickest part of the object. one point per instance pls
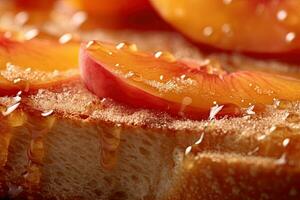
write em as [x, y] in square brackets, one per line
[79, 141]
[89, 148]
[234, 176]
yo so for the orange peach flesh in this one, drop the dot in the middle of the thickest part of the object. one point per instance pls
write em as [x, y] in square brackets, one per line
[253, 26]
[36, 63]
[140, 79]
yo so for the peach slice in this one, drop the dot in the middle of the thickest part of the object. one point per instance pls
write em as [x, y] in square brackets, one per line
[252, 26]
[179, 87]
[29, 65]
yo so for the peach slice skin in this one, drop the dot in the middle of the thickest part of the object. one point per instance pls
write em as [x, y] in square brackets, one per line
[252, 26]
[34, 64]
[141, 80]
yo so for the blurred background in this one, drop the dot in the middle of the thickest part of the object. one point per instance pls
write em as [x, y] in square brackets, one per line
[112, 14]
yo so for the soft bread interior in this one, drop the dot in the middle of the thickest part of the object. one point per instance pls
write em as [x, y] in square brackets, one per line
[71, 166]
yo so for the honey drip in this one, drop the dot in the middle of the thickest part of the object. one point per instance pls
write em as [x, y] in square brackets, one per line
[109, 143]
[5, 137]
[165, 55]
[38, 127]
[7, 123]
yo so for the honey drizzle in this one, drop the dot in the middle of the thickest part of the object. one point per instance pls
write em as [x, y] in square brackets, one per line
[5, 137]
[109, 145]
[38, 127]
[7, 123]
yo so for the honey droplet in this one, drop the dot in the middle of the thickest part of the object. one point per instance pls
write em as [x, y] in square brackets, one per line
[276, 102]
[129, 74]
[11, 109]
[125, 45]
[261, 137]
[226, 28]
[250, 110]
[47, 113]
[17, 80]
[165, 55]
[183, 76]
[281, 15]
[187, 101]
[255, 150]
[285, 142]
[214, 111]
[208, 31]
[31, 34]
[14, 105]
[65, 38]
[199, 141]
[290, 37]
[120, 45]
[134, 76]
[92, 45]
[188, 150]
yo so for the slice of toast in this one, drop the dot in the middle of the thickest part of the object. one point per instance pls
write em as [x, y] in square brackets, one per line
[76, 146]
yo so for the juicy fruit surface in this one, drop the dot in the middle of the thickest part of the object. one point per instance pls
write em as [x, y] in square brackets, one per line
[31, 64]
[179, 87]
[252, 26]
